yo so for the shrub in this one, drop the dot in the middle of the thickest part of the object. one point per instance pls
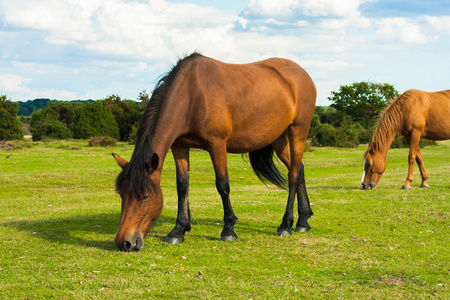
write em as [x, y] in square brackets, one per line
[94, 119]
[365, 136]
[53, 121]
[51, 129]
[315, 123]
[102, 141]
[125, 112]
[10, 125]
[324, 135]
[346, 136]
[400, 142]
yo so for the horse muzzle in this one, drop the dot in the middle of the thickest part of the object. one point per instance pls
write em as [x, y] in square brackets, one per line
[368, 185]
[131, 243]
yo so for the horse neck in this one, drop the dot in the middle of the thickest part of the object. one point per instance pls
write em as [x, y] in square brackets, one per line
[384, 148]
[382, 145]
[168, 128]
[390, 123]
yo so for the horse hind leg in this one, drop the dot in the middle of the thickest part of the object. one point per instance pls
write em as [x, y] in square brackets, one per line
[281, 146]
[297, 186]
[423, 172]
[298, 141]
[304, 207]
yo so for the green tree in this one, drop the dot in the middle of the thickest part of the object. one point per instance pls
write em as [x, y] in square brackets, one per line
[94, 119]
[125, 112]
[53, 121]
[144, 97]
[362, 101]
[45, 123]
[10, 125]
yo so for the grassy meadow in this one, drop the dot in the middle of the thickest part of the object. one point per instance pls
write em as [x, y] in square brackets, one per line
[59, 214]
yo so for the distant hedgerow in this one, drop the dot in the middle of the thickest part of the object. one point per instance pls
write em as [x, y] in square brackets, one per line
[102, 141]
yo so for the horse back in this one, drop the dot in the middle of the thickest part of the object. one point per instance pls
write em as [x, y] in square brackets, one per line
[429, 112]
[249, 105]
[258, 83]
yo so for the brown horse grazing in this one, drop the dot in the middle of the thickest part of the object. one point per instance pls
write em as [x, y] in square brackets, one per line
[259, 108]
[415, 114]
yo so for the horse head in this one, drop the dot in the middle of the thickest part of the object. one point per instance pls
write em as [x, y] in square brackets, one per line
[374, 166]
[142, 203]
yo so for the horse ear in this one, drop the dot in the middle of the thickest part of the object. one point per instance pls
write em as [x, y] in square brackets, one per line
[120, 161]
[154, 162]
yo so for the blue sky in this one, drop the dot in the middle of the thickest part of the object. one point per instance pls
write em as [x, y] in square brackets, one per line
[74, 49]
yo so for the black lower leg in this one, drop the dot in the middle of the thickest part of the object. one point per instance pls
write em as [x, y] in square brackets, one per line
[229, 218]
[288, 218]
[183, 222]
[304, 207]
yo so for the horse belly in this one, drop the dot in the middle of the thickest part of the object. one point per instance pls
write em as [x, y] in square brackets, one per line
[255, 136]
[438, 124]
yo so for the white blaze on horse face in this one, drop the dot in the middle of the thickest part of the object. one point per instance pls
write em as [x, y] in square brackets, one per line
[364, 172]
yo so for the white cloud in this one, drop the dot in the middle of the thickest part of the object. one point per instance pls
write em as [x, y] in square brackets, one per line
[12, 83]
[339, 8]
[270, 8]
[401, 30]
[99, 47]
[151, 30]
[440, 24]
[288, 8]
[342, 24]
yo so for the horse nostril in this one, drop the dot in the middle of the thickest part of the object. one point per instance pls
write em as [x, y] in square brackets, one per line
[127, 246]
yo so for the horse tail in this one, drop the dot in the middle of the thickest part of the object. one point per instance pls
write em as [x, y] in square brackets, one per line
[264, 167]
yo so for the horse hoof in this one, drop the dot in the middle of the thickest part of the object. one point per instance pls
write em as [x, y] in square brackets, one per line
[424, 186]
[284, 233]
[302, 229]
[227, 238]
[174, 240]
[405, 187]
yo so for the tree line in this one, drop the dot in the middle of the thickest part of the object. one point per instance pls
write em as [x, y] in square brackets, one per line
[347, 122]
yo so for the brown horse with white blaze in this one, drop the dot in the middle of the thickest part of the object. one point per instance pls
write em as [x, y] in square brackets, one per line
[260, 108]
[415, 114]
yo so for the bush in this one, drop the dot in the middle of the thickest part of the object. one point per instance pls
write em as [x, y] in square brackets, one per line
[324, 135]
[346, 136]
[10, 125]
[94, 119]
[365, 136]
[52, 121]
[102, 141]
[51, 129]
[400, 142]
[126, 113]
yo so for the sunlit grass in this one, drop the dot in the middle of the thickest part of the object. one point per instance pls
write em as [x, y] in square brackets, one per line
[59, 214]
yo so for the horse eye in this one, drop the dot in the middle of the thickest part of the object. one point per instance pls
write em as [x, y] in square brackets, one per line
[145, 198]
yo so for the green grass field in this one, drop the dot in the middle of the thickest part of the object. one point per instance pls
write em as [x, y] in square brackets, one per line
[59, 215]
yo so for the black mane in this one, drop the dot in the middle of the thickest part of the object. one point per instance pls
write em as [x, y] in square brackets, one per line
[135, 171]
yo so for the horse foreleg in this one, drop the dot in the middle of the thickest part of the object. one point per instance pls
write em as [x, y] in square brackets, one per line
[219, 160]
[423, 173]
[183, 223]
[413, 141]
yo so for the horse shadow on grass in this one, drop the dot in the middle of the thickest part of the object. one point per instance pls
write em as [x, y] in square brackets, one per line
[90, 230]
